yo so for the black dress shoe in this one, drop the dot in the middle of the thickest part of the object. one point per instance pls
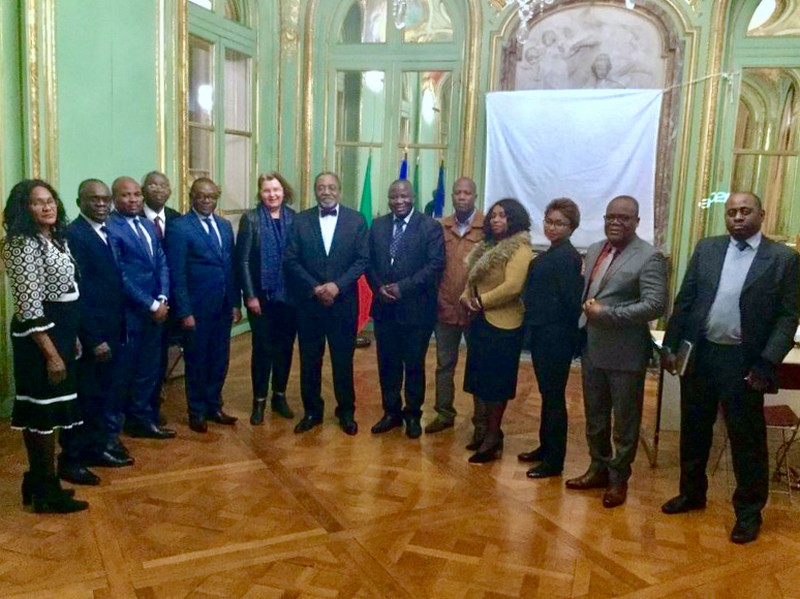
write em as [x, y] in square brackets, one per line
[488, 455]
[280, 406]
[221, 417]
[116, 448]
[349, 426]
[615, 495]
[590, 480]
[531, 456]
[78, 475]
[387, 423]
[413, 428]
[257, 415]
[150, 431]
[543, 471]
[745, 532]
[110, 460]
[474, 445]
[198, 425]
[682, 504]
[307, 423]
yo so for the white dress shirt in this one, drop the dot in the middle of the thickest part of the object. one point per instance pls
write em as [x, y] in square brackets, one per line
[97, 228]
[327, 226]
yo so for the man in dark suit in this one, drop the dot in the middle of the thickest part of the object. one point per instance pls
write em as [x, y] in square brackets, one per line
[326, 254]
[145, 279]
[406, 250]
[156, 191]
[205, 301]
[96, 442]
[738, 306]
[626, 288]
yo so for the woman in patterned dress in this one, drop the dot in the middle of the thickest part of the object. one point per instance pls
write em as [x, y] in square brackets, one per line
[44, 333]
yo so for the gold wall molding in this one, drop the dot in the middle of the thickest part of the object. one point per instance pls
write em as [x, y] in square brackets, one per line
[474, 44]
[290, 22]
[41, 85]
[308, 104]
[182, 142]
[161, 86]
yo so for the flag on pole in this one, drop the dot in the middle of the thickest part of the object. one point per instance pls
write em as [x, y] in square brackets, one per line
[438, 198]
[418, 204]
[404, 167]
[365, 208]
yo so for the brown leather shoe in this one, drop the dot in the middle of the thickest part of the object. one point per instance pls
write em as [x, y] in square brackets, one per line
[615, 494]
[590, 480]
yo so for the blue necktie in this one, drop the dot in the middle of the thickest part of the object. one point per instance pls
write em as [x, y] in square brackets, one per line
[399, 229]
[141, 235]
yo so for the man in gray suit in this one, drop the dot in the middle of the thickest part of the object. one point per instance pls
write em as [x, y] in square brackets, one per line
[626, 288]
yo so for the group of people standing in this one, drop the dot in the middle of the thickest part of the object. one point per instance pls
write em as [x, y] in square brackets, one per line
[97, 301]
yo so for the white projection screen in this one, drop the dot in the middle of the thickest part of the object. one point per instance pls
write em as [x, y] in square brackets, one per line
[587, 145]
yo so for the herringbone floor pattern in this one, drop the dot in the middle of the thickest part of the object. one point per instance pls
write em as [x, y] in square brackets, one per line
[252, 512]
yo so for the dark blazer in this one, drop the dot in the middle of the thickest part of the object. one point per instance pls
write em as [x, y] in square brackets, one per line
[144, 277]
[553, 290]
[201, 272]
[416, 270]
[307, 265]
[768, 304]
[170, 214]
[100, 284]
[248, 251]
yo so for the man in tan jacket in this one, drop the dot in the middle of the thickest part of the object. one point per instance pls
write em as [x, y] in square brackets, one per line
[462, 231]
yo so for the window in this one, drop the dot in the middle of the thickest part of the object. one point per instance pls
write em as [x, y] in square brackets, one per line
[221, 142]
[394, 95]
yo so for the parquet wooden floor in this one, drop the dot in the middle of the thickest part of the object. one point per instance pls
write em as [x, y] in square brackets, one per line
[251, 512]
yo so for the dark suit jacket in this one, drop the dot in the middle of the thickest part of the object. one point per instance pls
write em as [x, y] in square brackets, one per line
[102, 294]
[248, 251]
[768, 304]
[416, 270]
[553, 290]
[144, 277]
[633, 292]
[307, 265]
[201, 272]
[170, 214]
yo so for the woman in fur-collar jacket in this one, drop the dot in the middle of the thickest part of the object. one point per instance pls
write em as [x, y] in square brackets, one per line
[498, 268]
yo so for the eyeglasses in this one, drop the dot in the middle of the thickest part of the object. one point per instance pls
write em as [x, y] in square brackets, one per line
[623, 219]
[42, 203]
[555, 224]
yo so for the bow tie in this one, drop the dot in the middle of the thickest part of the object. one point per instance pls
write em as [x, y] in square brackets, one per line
[327, 211]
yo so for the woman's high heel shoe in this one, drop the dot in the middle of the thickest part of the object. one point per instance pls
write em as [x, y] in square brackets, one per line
[27, 489]
[491, 454]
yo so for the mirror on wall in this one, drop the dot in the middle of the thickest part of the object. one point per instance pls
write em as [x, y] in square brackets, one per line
[766, 146]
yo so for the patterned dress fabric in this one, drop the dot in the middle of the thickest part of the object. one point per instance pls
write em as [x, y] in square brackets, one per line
[45, 292]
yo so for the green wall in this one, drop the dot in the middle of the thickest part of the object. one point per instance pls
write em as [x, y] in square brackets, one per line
[106, 61]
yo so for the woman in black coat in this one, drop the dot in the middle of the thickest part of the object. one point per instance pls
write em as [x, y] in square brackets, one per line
[552, 307]
[264, 233]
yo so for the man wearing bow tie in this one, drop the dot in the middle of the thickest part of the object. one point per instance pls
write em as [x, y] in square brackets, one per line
[406, 251]
[205, 301]
[325, 256]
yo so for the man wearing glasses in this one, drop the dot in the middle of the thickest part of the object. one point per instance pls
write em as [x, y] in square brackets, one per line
[626, 288]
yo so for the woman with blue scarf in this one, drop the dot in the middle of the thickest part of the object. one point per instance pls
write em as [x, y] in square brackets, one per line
[262, 239]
